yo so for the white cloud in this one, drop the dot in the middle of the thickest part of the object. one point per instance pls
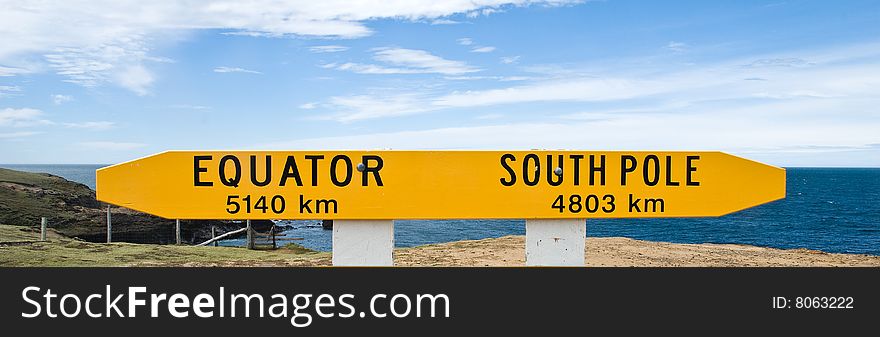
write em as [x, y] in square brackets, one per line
[510, 59]
[843, 79]
[496, 78]
[355, 108]
[235, 70]
[779, 62]
[745, 132]
[59, 99]
[465, 41]
[489, 11]
[371, 68]
[119, 62]
[7, 71]
[828, 107]
[9, 90]
[308, 106]
[135, 78]
[95, 126]
[577, 89]
[251, 33]
[112, 146]
[406, 61]
[420, 59]
[490, 116]
[445, 22]
[327, 49]
[27, 117]
[24, 117]
[676, 46]
[483, 50]
[362, 107]
[91, 43]
[21, 134]
[190, 107]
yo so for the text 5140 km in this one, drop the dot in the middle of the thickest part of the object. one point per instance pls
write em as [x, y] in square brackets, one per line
[277, 204]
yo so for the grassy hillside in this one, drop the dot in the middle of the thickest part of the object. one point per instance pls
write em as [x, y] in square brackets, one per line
[72, 210]
[25, 197]
[63, 251]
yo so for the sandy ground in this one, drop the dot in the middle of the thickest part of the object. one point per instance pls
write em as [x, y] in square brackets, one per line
[624, 252]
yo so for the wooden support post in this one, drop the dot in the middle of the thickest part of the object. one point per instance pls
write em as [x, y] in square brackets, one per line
[43, 229]
[177, 231]
[109, 226]
[555, 242]
[272, 232]
[250, 235]
[363, 243]
[214, 234]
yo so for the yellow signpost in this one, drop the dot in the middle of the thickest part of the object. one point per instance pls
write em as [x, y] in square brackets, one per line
[371, 185]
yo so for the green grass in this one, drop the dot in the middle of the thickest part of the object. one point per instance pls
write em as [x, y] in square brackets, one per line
[61, 251]
[43, 180]
[26, 197]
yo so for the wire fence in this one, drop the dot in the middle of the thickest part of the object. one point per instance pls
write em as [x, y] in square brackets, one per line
[271, 239]
[119, 224]
[125, 225]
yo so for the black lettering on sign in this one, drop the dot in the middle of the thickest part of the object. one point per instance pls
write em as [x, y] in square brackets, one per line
[654, 203]
[550, 171]
[600, 169]
[504, 159]
[627, 165]
[267, 178]
[634, 204]
[646, 205]
[532, 169]
[650, 179]
[304, 206]
[327, 203]
[236, 177]
[690, 169]
[290, 171]
[576, 158]
[371, 169]
[198, 169]
[260, 170]
[654, 171]
[314, 160]
[333, 177]
[537, 170]
[669, 181]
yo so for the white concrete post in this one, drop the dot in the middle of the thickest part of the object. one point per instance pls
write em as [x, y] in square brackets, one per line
[555, 242]
[363, 242]
[250, 235]
[43, 229]
[177, 230]
[109, 226]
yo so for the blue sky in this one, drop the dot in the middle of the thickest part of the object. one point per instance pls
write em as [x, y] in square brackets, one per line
[791, 83]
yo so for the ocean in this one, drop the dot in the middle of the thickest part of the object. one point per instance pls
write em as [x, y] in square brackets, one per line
[830, 209]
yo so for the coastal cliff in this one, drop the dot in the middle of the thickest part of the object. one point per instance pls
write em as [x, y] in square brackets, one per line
[72, 210]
